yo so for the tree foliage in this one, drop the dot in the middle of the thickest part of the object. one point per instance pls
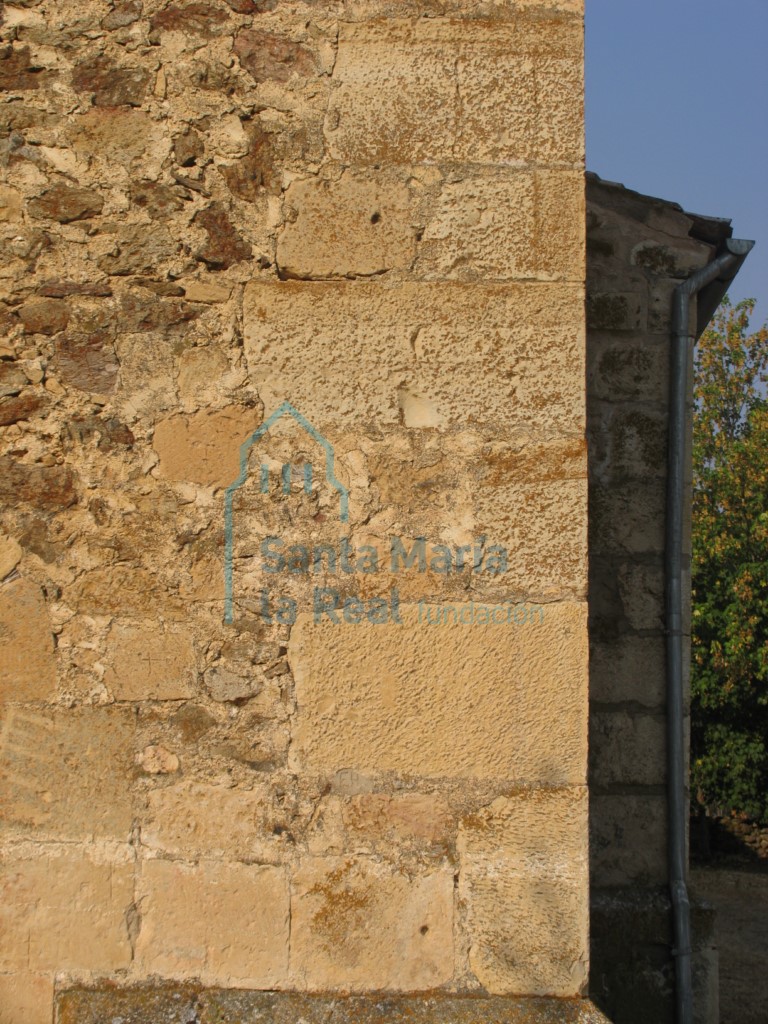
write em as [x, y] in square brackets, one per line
[729, 672]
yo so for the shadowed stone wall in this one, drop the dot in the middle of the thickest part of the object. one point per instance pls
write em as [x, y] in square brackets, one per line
[268, 769]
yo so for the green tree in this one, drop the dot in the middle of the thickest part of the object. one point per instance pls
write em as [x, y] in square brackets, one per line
[729, 671]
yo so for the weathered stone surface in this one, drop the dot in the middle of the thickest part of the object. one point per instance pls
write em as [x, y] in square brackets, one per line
[176, 1004]
[20, 72]
[358, 226]
[199, 19]
[359, 925]
[188, 147]
[408, 817]
[125, 590]
[341, 352]
[224, 246]
[193, 820]
[121, 136]
[26, 997]
[111, 86]
[67, 773]
[68, 910]
[466, 701]
[44, 487]
[88, 361]
[27, 662]
[523, 874]
[225, 685]
[204, 448]
[627, 748]
[12, 410]
[268, 56]
[628, 839]
[238, 934]
[125, 12]
[482, 97]
[139, 251]
[65, 203]
[145, 662]
[12, 379]
[10, 554]
[44, 316]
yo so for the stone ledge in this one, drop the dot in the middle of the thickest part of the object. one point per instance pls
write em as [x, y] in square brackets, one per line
[193, 1004]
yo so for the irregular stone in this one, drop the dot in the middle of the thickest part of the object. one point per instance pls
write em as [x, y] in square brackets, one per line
[147, 313]
[12, 379]
[503, 701]
[65, 204]
[188, 148]
[225, 246]
[68, 772]
[68, 910]
[122, 14]
[62, 289]
[12, 410]
[45, 487]
[139, 251]
[156, 760]
[206, 291]
[358, 925]
[121, 135]
[268, 56]
[111, 86]
[10, 555]
[27, 658]
[204, 448]
[252, 6]
[259, 169]
[523, 879]
[146, 662]
[225, 685]
[44, 316]
[20, 73]
[88, 362]
[198, 19]
[361, 224]
[159, 200]
[237, 935]
[11, 205]
[125, 590]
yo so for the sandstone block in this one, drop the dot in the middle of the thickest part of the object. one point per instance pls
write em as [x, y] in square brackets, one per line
[434, 90]
[67, 912]
[523, 876]
[220, 922]
[204, 448]
[402, 817]
[474, 701]
[146, 662]
[508, 355]
[357, 226]
[628, 839]
[67, 773]
[26, 998]
[630, 668]
[27, 658]
[195, 820]
[627, 748]
[125, 591]
[359, 924]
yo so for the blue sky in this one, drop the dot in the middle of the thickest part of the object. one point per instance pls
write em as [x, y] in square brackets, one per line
[677, 107]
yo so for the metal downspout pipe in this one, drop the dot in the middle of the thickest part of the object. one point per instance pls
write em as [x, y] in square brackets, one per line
[683, 341]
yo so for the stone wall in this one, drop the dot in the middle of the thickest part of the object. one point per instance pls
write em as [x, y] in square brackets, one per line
[372, 211]
[639, 250]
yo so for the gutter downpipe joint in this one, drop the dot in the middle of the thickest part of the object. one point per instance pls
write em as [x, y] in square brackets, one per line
[725, 267]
